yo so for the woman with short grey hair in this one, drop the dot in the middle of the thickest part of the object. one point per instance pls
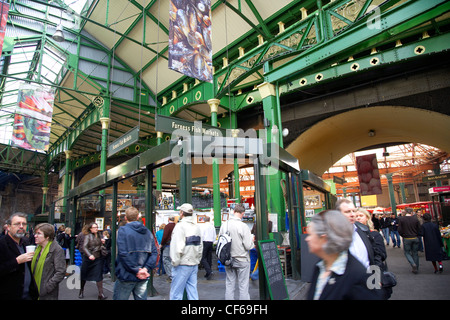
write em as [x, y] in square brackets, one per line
[339, 275]
[48, 265]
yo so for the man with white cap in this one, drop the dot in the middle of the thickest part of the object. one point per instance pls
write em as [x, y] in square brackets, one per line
[186, 252]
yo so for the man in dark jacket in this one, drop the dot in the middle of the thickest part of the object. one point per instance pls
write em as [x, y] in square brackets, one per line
[137, 255]
[409, 228]
[385, 223]
[16, 280]
[364, 246]
[165, 245]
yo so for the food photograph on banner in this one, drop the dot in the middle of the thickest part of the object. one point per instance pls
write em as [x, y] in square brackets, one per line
[4, 9]
[190, 46]
[368, 174]
[33, 118]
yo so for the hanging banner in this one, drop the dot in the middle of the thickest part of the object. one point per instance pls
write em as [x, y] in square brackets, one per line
[4, 10]
[190, 46]
[33, 118]
[368, 174]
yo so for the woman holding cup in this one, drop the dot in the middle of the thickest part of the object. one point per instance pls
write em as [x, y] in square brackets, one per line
[48, 265]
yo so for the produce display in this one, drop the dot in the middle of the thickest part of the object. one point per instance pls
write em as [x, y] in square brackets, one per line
[445, 232]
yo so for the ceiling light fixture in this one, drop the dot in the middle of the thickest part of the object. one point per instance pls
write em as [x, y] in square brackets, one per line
[59, 35]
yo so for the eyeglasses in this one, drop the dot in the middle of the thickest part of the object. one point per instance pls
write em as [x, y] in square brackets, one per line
[17, 224]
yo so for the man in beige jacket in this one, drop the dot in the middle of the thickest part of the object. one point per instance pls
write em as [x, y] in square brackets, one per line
[185, 252]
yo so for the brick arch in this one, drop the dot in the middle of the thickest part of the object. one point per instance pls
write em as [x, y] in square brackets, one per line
[326, 142]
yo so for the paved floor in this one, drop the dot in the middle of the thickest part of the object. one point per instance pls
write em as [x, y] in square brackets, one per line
[426, 285]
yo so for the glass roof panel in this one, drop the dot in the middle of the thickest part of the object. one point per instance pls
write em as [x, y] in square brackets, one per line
[20, 68]
[76, 5]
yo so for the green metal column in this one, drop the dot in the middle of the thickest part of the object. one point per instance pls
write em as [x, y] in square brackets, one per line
[105, 120]
[67, 182]
[44, 197]
[236, 177]
[294, 223]
[391, 193]
[437, 171]
[261, 223]
[402, 190]
[72, 224]
[159, 136]
[149, 218]
[114, 231]
[273, 128]
[214, 105]
[104, 153]
[185, 179]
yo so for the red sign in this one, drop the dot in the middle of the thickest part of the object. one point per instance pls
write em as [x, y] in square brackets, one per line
[439, 189]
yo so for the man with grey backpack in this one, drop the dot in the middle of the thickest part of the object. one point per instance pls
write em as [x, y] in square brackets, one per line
[241, 242]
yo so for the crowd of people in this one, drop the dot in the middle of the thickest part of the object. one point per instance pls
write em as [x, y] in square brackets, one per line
[338, 246]
[348, 241]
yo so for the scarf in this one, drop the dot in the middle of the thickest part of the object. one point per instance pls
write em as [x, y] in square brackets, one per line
[37, 273]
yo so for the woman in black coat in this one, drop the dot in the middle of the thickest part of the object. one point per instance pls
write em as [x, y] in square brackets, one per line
[339, 275]
[92, 264]
[433, 242]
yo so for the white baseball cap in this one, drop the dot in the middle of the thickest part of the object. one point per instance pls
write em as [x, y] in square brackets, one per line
[187, 207]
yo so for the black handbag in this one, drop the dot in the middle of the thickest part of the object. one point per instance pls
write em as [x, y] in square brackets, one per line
[388, 280]
[104, 251]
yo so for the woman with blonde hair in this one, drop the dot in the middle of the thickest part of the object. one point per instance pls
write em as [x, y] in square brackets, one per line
[363, 216]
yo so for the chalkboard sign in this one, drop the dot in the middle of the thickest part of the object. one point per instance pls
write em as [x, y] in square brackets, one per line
[274, 272]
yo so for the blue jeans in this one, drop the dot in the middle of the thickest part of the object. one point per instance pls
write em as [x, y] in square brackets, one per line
[123, 289]
[411, 248]
[184, 278]
[395, 236]
[386, 234]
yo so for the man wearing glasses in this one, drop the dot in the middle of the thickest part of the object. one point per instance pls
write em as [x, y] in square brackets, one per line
[15, 276]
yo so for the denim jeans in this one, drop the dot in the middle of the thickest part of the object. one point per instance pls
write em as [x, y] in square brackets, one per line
[386, 234]
[184, 278]
[123, 289]
[411, 248]
[167, 261]
[395, 236]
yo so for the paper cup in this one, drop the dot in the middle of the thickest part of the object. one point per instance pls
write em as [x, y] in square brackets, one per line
[30, 248]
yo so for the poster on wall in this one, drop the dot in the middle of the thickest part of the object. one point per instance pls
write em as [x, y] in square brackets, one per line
[368, 175]
[190, 46]
[33, 118]
[4, 10]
